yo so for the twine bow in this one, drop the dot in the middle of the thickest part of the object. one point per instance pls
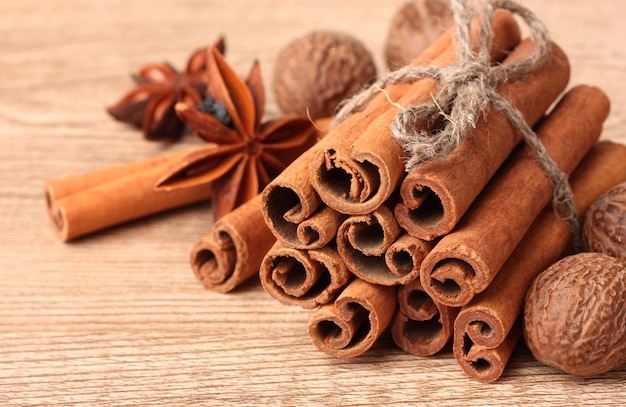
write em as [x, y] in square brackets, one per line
[466, 90]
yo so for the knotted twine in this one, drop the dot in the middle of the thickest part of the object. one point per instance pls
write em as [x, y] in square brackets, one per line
[466, 90]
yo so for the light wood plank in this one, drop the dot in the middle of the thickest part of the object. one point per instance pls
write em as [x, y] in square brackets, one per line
[118, 318]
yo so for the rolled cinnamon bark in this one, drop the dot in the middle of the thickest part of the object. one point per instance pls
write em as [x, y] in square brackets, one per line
[317, 230]
[436, 195]
[421, 327]
[290, 198]
[467, 259]
[351, 324]
[374, 248]
[364, 239]
[86, 203]
[62, 187]
[404, 258]
[306, 278]
[483, 363]
[232, 252]
[489, 318]
[357, 177]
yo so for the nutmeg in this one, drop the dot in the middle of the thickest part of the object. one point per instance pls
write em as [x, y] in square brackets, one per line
[315, 72]
[575, 314]
[413, 28]
[604, 227]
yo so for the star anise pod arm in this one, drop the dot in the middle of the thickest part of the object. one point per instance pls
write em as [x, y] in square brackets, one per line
[254, 81]
[198, 60]
[227, 88]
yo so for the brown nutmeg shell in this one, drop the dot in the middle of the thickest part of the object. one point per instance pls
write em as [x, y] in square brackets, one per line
[575, 314]
[315, 72]
[413, 28]
[604, 227]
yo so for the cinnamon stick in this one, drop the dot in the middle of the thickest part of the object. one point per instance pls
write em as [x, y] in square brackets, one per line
[404, 258]
[232, 252]
[291, 199]
[351, 324]
[467, 259]
[356, 177]
[484, 363]
[306, 278]
[85, 203]
[421, 327]
[489, 319]
[62, 187]
[375, 249]
[436, 195]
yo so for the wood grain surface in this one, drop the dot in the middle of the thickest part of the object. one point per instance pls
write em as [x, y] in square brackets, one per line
[117, 318]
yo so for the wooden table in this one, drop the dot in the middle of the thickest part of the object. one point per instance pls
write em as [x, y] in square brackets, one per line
[118, 318]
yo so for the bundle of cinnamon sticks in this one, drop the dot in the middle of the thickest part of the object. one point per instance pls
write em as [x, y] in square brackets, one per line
[444, 253]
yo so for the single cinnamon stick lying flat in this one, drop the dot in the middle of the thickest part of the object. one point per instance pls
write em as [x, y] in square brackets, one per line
[489, 319]
[467, 259]
[357, 177]
[421, 327]
[232, 252]
[350, 326]
[436, 195]
[62, 187]
[290, 198]
[375, 249]
[307, 278]
[85, 203]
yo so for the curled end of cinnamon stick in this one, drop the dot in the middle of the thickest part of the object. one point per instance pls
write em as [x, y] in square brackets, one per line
[427, 210]
[307, 279]
[486, 364]
[451, 281]
[56, 213]
[286, 211]
[233, 251]
[318, 230]
[421, 326]
[347, 185]
[373, 249]
[404, 258]
[352, 324]
[481, 326]
[217, 264]
[420, 338]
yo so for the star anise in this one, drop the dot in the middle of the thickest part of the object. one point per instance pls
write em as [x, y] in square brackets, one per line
[244, 154]
[150, 105]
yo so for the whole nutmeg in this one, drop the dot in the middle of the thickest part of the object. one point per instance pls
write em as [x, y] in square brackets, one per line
[315, 72]
[413, 28]
[575, 314]
[604, 227]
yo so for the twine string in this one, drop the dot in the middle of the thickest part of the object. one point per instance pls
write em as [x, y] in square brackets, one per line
[467, 89]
